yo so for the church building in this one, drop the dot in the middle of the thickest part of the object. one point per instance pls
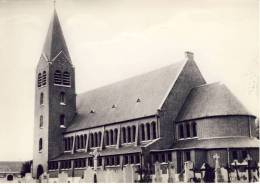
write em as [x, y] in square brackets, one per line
[167, 115]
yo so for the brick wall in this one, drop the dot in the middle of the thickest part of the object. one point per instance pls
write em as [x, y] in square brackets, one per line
[189, 77]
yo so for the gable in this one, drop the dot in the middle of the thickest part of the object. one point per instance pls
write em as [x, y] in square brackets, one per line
[150, 88]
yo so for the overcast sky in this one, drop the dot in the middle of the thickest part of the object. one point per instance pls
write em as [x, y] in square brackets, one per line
[110, 40]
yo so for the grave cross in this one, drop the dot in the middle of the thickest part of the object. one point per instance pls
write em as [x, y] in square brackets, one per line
[218, 174]
[216, 157]
[249, 167]
[95, 155]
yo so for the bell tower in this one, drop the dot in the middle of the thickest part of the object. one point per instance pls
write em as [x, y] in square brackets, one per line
[55, 97]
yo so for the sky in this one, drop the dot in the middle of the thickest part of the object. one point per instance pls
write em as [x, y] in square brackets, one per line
[110, 40]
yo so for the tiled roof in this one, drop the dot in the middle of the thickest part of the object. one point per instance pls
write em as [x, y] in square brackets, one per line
[10, 167]
[150, 88]
[214, 143]
[211, 100]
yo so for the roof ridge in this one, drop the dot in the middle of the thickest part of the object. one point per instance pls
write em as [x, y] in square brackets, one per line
[208, 84]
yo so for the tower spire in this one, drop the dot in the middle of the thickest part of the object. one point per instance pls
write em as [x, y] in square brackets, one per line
[55, 41]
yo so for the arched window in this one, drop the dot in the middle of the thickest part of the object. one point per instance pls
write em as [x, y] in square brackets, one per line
[85, 140]
[124, 135]
[106, 138]
[194, 129]
[111, 137]
[77, 142]
[181, 131]
[39, 80]
[148, 131]
[81, 141]
[134, 133]
[66, 78]
[91, 140]
[41, 98]
[44, 78]
[142, 132]
[57, 77]
[41, 121]
[62, 98]
[99, 138]
[62, 120]
[128, 134]
[154, 130]
[95, 139]
[188, 129]
[115, 136]
[40, 144]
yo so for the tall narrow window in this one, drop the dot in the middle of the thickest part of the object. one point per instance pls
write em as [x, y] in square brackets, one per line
[188, 156]
[99, 138]
[188, 129]
[115, 136]
[41, 98]
[111, 137]
[91, 137]
[40, 144]
[107, 138]
[62, 98]
[39, 80]
[62, 120]
[194, 129]
[81, 141]
[95, 139]
[134, 133]
[44, 78]
[41, 121]
[235, 155]
[128, 134]
[124, 135]
[142, 132]
[148, 131]
[154, 130]
[57, 77]
[66, 78]
[181, 131]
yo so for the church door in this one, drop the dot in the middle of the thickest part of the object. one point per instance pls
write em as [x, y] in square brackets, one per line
[39, 171]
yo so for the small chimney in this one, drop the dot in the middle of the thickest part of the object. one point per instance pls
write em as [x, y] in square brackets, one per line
[189, 55]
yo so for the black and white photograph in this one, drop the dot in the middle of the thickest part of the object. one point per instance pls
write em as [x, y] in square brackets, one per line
[129, 91]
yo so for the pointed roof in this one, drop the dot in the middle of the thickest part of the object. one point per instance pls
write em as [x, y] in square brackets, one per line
[55, 42]
[211, 100]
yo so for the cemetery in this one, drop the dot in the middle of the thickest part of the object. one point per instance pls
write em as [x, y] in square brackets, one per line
[236, 172]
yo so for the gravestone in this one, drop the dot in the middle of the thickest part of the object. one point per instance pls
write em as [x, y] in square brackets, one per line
[28, 178]
[63, 177]
[134, 173]
[188, 166]
[158, 177]
[89, 175]
[128, 174]
[218, 174]
[44, 178]
[171, 172]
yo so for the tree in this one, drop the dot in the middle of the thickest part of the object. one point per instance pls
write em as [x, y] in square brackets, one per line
[26, 168]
